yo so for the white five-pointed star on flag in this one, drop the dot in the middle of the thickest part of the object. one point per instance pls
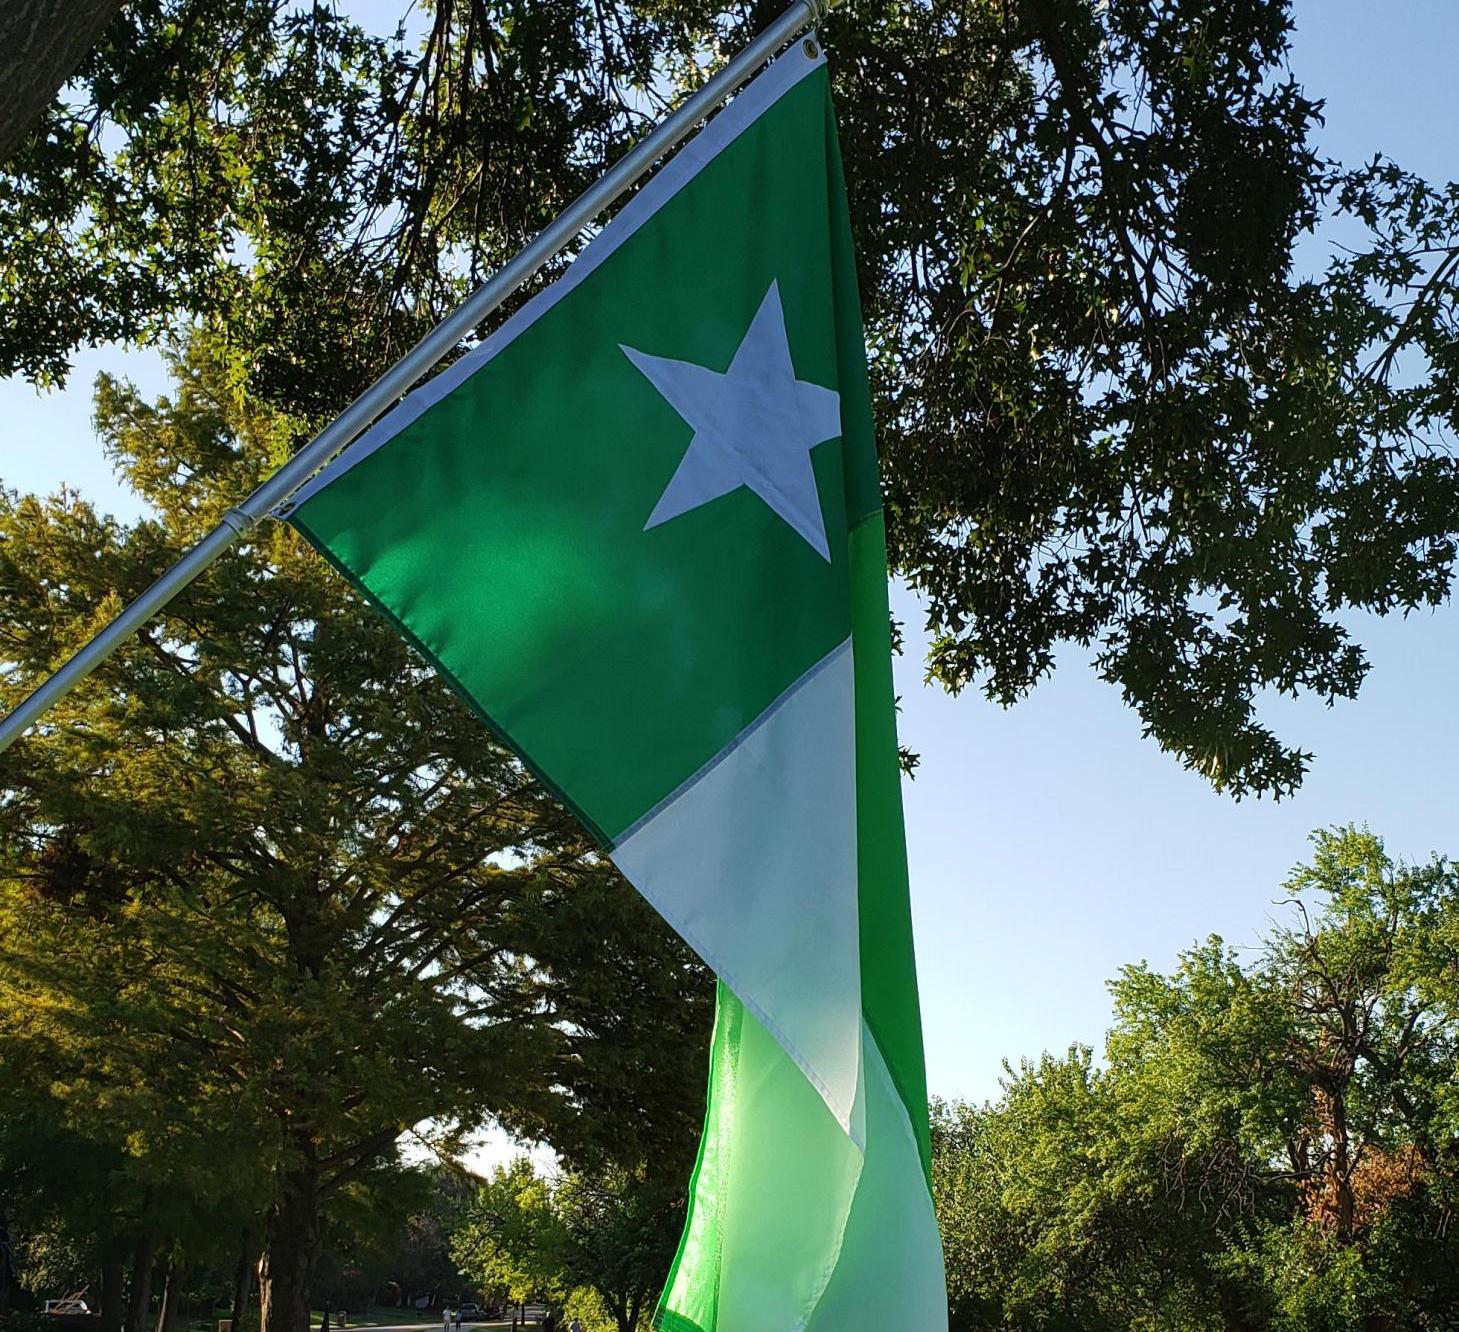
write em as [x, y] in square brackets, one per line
[754, 425]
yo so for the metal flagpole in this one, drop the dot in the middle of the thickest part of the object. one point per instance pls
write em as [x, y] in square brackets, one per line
[383, 393]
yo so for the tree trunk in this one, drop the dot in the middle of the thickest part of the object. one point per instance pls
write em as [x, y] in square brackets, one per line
[244, 1275]
[1343, 1175]
[41, 43]
[171, 1319]
[7, 1264]
[140, 1303]
[168, 1284]
[113, 1307]
[290, 1251]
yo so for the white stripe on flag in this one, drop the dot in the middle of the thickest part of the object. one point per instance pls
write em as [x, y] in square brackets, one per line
[753, 862]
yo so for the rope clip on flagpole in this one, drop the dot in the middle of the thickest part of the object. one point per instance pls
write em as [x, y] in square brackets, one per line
[419, 360]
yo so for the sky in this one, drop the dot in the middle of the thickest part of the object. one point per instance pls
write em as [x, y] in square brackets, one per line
[1050, 844]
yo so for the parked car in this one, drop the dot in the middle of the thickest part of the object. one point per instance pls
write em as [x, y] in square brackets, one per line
[472, 1313]
[70, 1306]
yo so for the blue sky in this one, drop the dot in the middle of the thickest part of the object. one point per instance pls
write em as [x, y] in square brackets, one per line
[1050, 844]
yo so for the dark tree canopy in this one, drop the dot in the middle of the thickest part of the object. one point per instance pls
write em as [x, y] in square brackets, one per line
[1112, 412]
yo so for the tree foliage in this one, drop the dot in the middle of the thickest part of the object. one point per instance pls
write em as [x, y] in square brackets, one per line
[269, 895]
[611, 1232]
[511, 1239]
[1270, 1145]
[1114, 411]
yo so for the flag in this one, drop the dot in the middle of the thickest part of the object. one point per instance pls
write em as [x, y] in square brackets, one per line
[639, 530]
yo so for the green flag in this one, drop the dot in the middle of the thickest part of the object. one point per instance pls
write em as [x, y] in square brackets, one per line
[639, 529]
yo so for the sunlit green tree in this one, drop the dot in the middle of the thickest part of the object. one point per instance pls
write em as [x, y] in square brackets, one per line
[611, 1232]
[270, 896]
[1268, 1144]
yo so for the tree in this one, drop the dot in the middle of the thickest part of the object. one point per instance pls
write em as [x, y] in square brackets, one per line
[612, 1232]
[41, 43]
[1269, 1146]
[54, 1181]
[1050, 1219]
[395, 1217]
[1112, 413]
[1342, 1045]
[107, 1145]
[623, 1227]
[270, 891]
[511, 1238]
[419, 1259]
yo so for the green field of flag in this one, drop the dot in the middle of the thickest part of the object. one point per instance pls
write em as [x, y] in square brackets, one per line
[639, 529]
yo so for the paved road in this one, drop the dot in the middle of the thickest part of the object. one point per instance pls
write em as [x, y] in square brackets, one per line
[428, 1326]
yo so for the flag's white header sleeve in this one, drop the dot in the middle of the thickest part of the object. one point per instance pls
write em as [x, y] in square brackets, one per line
[749, 105]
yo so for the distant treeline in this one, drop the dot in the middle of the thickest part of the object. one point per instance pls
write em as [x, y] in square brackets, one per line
[1270, 1142]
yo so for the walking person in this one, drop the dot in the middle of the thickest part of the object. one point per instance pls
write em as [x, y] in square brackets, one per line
[575, 1326]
